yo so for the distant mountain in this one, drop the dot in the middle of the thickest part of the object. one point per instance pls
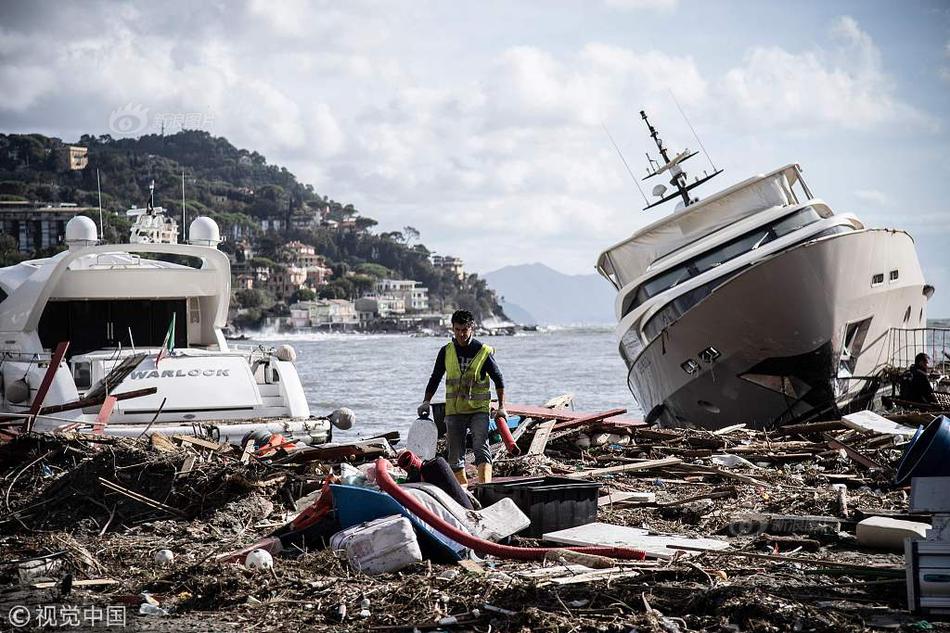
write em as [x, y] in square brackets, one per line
[552, 298]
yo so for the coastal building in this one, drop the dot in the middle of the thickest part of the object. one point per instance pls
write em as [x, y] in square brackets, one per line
[414, 295]
[76, 157]
[452, 264]
[329, 314]
[285, 281]
[37, 226]
[372, 307]
[305, 257]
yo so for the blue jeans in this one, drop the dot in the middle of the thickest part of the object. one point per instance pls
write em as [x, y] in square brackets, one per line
[456, 428]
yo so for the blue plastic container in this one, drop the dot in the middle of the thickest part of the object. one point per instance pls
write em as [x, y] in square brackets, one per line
[927, 454]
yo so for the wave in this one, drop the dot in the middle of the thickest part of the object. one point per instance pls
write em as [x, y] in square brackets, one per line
[274, 335]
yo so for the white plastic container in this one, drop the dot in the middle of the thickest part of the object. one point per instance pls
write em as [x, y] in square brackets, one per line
[379, 546]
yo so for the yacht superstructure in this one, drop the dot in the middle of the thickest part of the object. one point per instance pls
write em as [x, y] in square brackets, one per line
[148, 314]
[758, 304]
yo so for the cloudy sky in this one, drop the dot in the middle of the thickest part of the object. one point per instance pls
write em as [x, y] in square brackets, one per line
[482, 124]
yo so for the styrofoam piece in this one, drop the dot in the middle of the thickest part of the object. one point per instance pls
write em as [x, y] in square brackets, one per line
[379, 546]
[499, 520]
[621, 536]
[422, 438]
[874, 423]
[888, 533]
[495, 522]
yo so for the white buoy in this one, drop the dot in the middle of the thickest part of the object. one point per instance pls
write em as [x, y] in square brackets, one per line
[259, 559]
[164, 556]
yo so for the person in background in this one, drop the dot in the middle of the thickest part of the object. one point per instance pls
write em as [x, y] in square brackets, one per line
[915, 382]
[467, 365]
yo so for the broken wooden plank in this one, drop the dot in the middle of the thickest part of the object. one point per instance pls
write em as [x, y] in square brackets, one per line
[102, 419]
[561, 415]
[199, 441]
[810, 427]
[853, 454]
[82, 403]
[589, 419]
[623, 468]
[471, 567]
[37, 404]
[606, 535]
[135, 496]
[93, 582]
[620, 498]
[540, 439]
[729, 429]
[187, 465]
[886, 571]
[592, 576]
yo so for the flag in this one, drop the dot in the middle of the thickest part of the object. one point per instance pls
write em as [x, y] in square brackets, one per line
[168, 345]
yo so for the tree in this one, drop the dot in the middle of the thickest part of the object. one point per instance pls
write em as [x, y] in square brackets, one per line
[303, 294]
[250, 298]
[411, 234]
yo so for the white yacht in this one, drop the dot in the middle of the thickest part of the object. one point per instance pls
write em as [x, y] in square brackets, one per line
[147, 315]
[758, 304]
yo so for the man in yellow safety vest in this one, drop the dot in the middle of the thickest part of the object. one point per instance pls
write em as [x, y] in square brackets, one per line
[467, 365]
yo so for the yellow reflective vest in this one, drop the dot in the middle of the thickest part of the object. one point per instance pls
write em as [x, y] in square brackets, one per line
[468, 392]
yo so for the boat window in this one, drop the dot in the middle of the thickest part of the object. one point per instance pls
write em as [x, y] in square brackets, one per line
[678, 307]
[3, 295]
[877, 279]
[106, 324]
[894, 275]
[723, 253]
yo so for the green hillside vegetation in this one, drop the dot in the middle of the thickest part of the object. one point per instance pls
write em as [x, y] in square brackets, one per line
[237, 188]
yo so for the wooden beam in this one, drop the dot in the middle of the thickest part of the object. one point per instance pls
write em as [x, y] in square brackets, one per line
[82, 403]
[625, 468]
[48, 377]
[588, 419]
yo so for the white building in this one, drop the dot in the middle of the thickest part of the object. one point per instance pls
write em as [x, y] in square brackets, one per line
[413, 293]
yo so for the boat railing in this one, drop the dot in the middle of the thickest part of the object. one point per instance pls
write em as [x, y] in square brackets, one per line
[905, 344]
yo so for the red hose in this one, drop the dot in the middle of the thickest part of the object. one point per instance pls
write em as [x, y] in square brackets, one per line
[481, 546]
[509, 441]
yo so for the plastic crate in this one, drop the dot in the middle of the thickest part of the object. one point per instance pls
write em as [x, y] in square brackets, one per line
[552, 503]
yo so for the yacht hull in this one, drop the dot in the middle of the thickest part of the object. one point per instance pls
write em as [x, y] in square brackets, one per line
[788, 336]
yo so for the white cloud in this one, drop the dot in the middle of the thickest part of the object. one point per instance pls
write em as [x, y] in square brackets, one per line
[873, 196]
[844, 86]
[662, 5]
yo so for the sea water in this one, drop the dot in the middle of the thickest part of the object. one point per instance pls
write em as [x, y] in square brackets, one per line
[382, 377]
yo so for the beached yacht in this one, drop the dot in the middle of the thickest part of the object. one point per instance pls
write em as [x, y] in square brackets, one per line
[147, 314]
[758, 304]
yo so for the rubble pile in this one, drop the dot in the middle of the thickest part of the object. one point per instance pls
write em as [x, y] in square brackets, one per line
[761, 528]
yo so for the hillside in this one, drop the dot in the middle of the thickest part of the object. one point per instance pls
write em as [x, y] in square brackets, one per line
[553, 298]
[253, 202]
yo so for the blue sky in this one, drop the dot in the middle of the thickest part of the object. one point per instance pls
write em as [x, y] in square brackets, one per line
[480, 124]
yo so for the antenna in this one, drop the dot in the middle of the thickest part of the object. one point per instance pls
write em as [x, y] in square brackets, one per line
[99, 191]
[151, 195]
[695, 135]
[182, 232]
[672, 165]
[624, 161]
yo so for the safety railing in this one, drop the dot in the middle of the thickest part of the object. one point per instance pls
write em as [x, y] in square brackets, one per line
[905, 344]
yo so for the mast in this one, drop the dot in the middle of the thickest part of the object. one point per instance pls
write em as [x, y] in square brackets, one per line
[679, 179]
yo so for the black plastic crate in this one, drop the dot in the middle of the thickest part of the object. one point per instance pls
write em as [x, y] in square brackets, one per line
[552, 503]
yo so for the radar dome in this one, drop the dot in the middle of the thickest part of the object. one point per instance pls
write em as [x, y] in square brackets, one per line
[203, 231]
[81, 231]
